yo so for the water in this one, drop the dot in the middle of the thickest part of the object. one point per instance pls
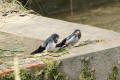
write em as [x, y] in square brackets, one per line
[107, 17]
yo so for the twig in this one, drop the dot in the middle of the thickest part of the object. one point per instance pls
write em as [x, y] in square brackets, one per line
[10, 50]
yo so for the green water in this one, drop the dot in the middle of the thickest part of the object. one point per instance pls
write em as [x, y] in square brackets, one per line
[107, 17]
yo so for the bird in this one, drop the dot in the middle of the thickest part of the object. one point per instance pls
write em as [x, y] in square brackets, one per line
[71, 40]
[48, 45]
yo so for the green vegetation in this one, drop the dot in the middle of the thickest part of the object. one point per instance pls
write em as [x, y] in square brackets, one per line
[86, 73]
[11, 6]
[2, 51]
[49, 72]
[99, 40]
[1, 62]
[113, 75]
[90, 41]
[14, 4]
[83, 43]
[62, 51]
[25, 75]
[11, 50]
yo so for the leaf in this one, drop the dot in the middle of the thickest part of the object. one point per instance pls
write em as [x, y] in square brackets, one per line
[11, 50]
[61, 52]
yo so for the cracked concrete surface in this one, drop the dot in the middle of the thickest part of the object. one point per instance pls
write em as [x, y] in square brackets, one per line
[40, 27]
[102, 55]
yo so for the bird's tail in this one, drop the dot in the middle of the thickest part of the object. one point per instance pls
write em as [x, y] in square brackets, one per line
[61, 44]
[39, 50]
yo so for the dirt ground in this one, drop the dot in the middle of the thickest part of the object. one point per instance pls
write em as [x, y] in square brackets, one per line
[107, 17]
[23, 46]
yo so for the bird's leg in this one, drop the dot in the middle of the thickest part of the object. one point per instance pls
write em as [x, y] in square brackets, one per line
[45, 52]
[64, 46]
[70, 46]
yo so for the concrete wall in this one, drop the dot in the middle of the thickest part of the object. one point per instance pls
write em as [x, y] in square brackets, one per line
[102, 61]
[48, 7]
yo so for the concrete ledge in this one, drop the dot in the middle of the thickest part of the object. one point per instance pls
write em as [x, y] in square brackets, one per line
[39, 27]
[88, 49]
[102, 55]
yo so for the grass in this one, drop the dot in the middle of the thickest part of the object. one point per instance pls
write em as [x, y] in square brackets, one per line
[61, 52]
[90, 42]
[11, 6]
[114, 74]
[1, 62]
[86, 73]
[24, 74]
[49, 72]
[2, 51]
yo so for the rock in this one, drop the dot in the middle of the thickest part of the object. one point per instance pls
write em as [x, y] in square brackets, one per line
[82, 58]
[48, 56]
[23, 14]
[87, 59]
[5, 14]
[92, 69]
[119, 62]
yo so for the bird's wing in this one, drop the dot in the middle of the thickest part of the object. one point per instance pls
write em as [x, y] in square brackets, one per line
[46, 42]
[48, 46]
[70, 39]
[51, 46]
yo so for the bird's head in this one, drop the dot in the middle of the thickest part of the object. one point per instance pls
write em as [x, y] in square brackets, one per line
[77, 32]
[55, 37]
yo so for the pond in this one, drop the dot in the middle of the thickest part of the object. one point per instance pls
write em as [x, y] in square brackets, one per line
[106, 16]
